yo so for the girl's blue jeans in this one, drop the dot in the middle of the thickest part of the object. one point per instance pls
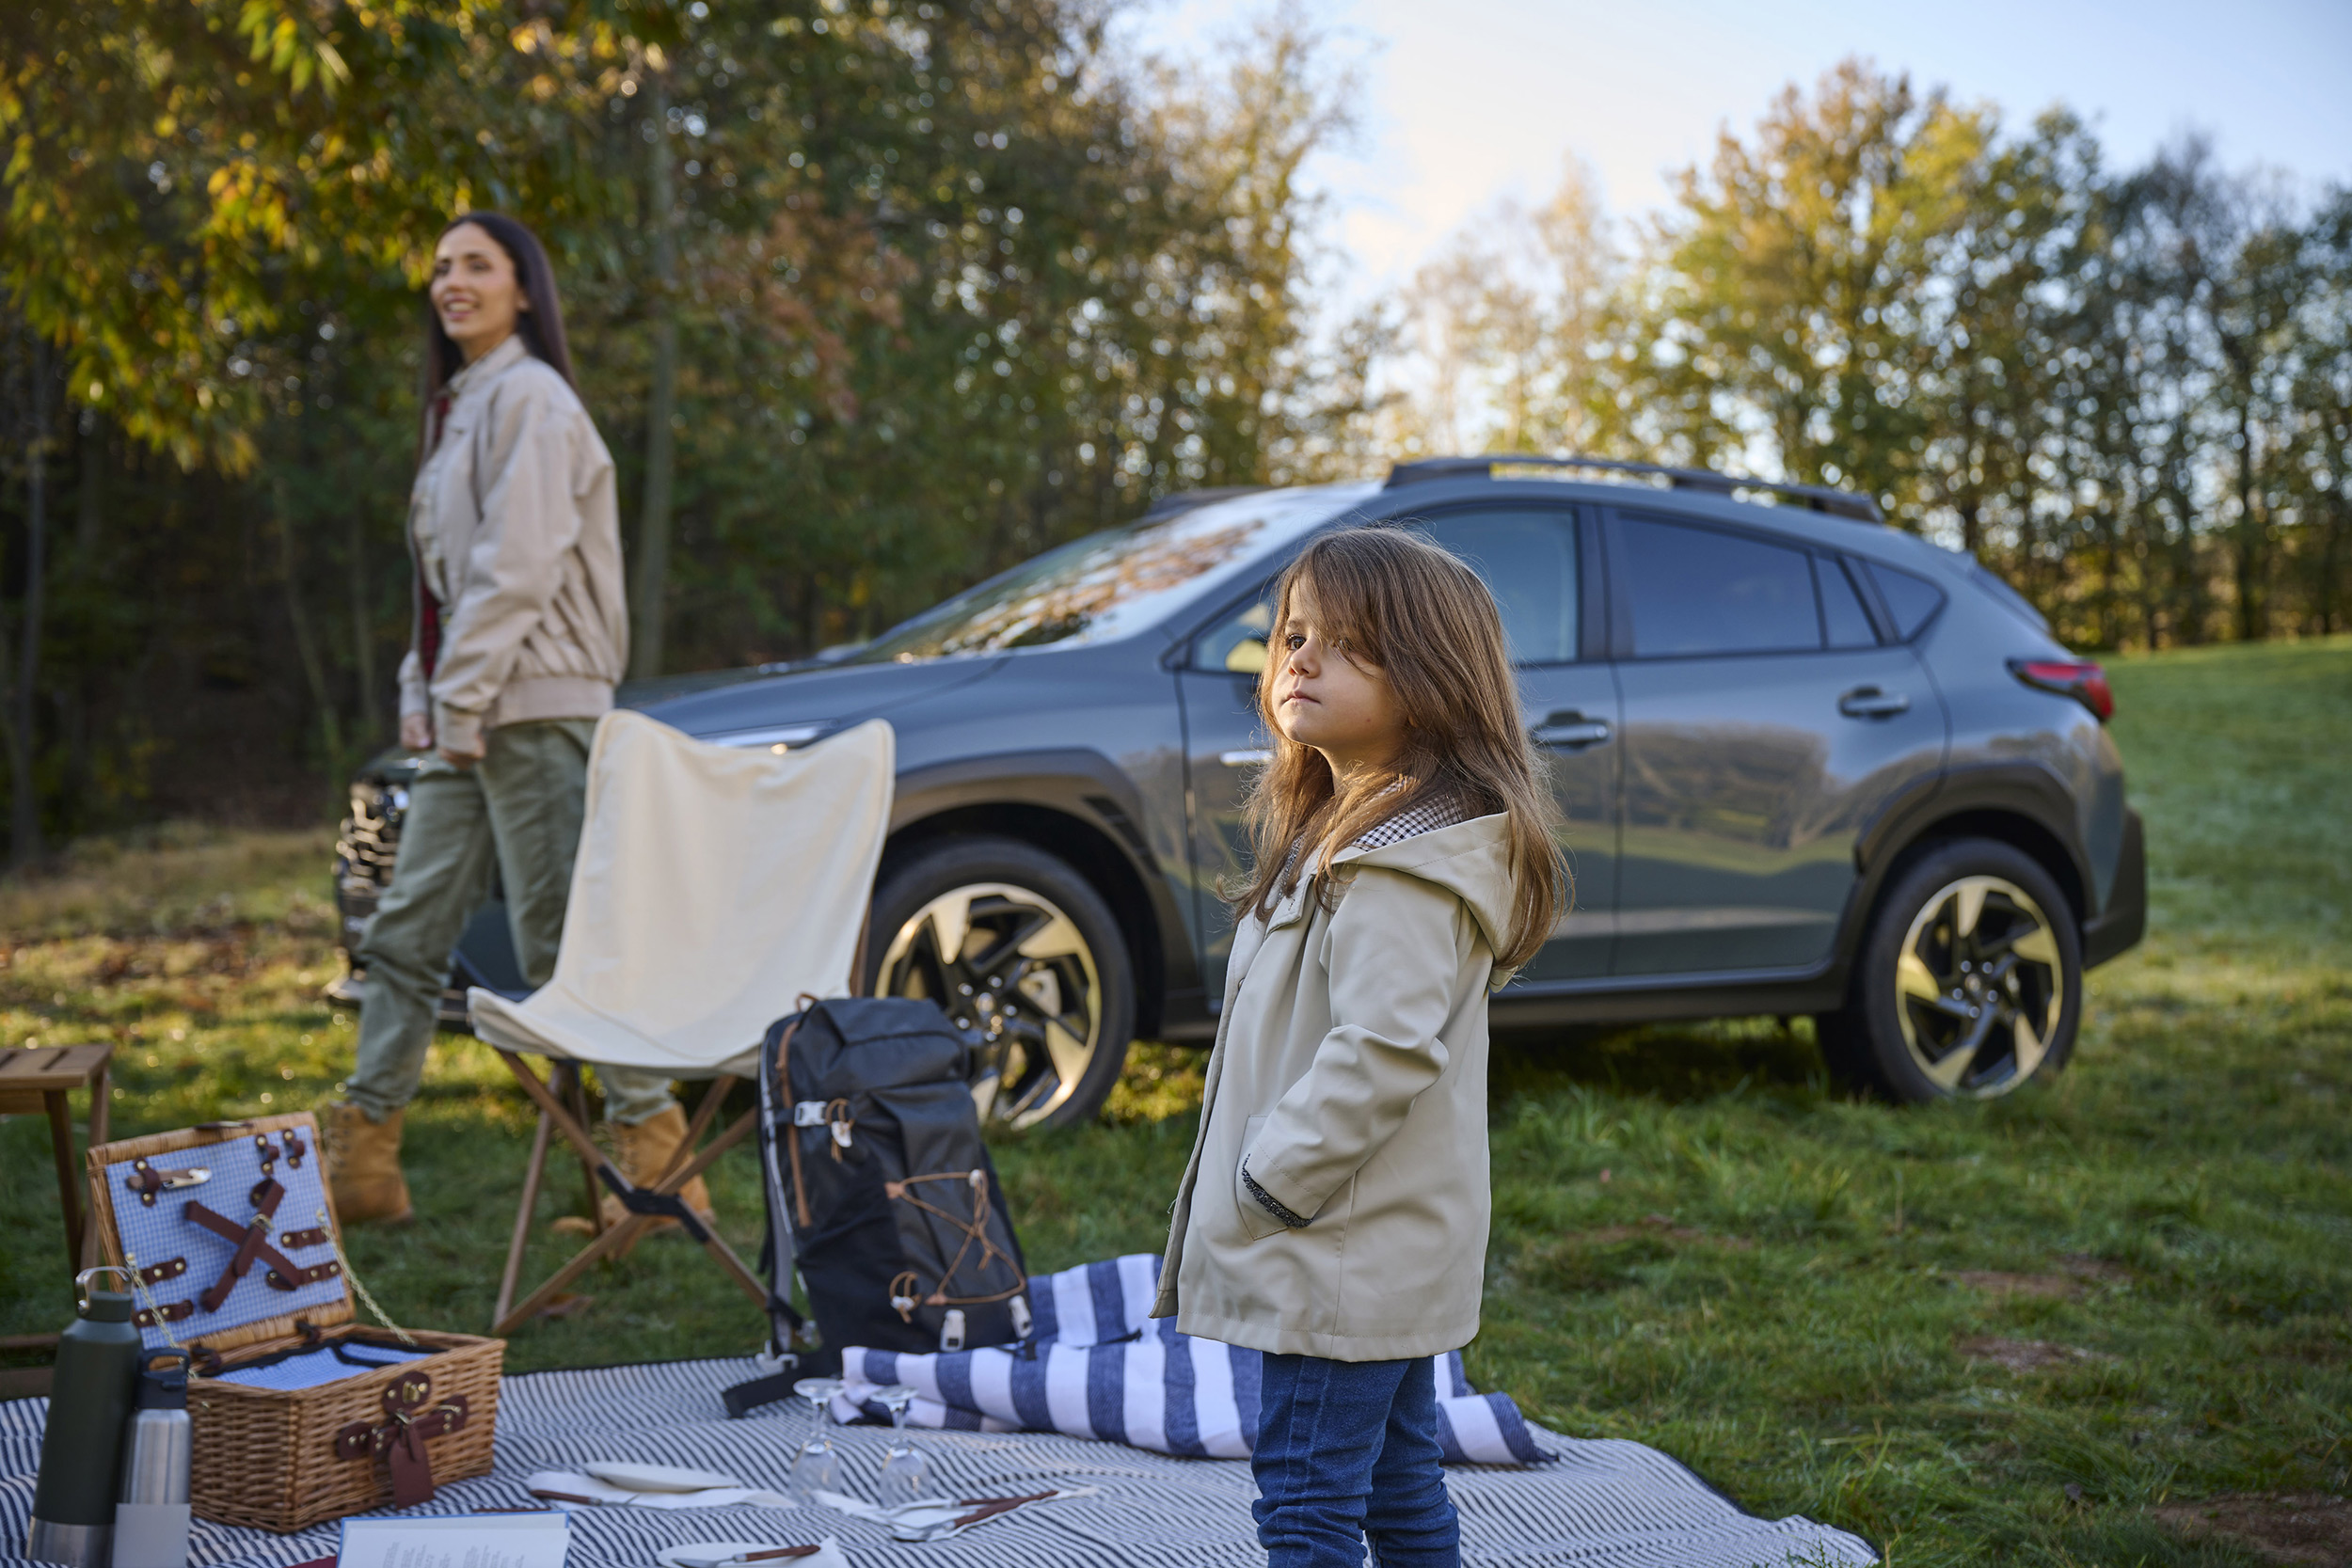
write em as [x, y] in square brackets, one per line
[1347, 1452]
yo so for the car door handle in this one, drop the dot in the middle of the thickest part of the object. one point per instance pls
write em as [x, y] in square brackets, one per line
[1245, 759]
[1572, 729]
[1868, 702]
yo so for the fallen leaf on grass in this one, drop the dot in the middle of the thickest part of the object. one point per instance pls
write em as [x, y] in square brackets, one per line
[2093, 1271]
[2025, 1355]
[2293, 1528]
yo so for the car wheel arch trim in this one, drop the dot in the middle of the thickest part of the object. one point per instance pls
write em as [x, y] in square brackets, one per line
[1056, 784]
[2028, 790]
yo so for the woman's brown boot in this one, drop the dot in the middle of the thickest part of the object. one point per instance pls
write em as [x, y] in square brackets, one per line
[364, 1167]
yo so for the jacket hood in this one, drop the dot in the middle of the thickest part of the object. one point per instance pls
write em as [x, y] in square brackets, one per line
[1471, 860]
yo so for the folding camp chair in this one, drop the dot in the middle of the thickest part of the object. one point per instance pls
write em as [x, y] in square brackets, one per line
[715, 887]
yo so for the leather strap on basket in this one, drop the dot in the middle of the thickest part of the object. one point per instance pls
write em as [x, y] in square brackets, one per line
[412, 1418]
[253, 1247]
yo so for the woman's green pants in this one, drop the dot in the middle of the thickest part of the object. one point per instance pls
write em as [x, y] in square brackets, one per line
[517, 811]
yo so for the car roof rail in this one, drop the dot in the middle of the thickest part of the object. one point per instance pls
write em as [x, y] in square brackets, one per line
[1178, 501]
[1817, 498]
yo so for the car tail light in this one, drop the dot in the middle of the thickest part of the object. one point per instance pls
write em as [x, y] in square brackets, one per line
[2078, 678]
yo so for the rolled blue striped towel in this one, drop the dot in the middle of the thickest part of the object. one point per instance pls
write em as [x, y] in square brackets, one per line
[1098, 1365]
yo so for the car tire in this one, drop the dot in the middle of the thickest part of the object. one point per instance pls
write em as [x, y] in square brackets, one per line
[1968, 984]
[1040, 972]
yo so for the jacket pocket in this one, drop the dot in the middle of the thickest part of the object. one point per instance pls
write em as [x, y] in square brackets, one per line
[1257, 1220]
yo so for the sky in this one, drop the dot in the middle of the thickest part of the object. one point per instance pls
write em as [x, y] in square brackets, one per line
[1464, 102]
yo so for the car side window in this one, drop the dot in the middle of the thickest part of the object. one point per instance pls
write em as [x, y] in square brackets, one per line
[1912, 600]
[1698, 591]
[1237, 642]
[1843, 619]
[1527, 558]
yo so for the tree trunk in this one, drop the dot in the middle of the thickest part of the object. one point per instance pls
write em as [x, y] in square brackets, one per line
[652, 569]
[74, 699]
[2330, 556]
[90, 494]
[24, 808]
[2248, 553]
[362, 627]
[306, 646]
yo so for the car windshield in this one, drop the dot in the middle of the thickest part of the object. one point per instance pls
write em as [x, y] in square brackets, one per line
[1109, 584]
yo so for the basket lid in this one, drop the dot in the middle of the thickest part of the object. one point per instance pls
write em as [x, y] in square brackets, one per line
[179, 1210]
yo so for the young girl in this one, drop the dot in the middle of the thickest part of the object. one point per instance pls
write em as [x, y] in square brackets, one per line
[1334, 1214]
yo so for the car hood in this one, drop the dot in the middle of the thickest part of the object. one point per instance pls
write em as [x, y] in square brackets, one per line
[728, 704]
[833, 696]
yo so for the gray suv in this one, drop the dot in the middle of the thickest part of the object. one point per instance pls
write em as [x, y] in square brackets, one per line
[1807, 764]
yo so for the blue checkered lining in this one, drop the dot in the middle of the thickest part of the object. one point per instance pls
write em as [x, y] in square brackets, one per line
[152, 1235]
[316, 1367]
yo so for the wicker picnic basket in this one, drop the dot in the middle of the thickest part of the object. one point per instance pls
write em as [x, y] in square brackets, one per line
[283, 1459]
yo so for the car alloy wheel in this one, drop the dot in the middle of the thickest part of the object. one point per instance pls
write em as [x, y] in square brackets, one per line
[1010, 966]
[1968, 983]
[1981, 989]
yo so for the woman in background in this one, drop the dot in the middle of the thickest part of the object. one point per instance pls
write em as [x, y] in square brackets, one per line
[519, 633]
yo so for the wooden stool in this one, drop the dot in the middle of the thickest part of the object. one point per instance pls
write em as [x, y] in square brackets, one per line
[38, 1080]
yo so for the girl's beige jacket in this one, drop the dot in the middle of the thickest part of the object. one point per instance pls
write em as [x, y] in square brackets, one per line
[1349, 1080]
[518, 535]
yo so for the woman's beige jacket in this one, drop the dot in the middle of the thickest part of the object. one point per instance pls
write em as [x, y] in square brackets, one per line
[517, 539]
[1349, 1080]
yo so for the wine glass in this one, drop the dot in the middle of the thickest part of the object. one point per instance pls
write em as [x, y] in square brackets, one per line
[904, 1469]
[815, 1466]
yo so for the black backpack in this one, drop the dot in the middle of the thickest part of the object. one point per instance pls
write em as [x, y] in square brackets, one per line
[880, 1191]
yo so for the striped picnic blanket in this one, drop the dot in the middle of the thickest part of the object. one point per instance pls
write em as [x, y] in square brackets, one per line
[1605, 1504]
[1099, 1365]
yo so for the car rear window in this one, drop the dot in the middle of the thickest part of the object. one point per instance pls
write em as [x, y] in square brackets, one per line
[1912, 599]
[1697, 591]
[1844, 621]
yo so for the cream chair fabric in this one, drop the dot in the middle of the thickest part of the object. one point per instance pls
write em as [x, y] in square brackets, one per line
[715, 885]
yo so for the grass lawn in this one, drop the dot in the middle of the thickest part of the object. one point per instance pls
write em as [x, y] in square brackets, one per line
[2102, 1323]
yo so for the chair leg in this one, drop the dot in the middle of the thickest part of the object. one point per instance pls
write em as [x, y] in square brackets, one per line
[573, 1127]
[525, 1212]
[612, 1241]
[705, 1113]
[576, 1082]
[100, 1110]
[69, 1180]
[555, 1116]
[679, 1176]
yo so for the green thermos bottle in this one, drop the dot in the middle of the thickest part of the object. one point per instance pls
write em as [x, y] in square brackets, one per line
[81, 1448]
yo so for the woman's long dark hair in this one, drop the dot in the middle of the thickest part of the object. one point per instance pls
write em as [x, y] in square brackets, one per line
[541, 327]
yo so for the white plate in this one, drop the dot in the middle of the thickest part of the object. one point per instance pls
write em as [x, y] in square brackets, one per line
[657, 1478]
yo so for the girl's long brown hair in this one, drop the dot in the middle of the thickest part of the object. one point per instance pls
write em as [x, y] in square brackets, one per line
[1392, 601]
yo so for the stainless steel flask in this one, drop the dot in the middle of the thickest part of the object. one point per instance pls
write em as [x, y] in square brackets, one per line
[81, 1446]
[151, 1520]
